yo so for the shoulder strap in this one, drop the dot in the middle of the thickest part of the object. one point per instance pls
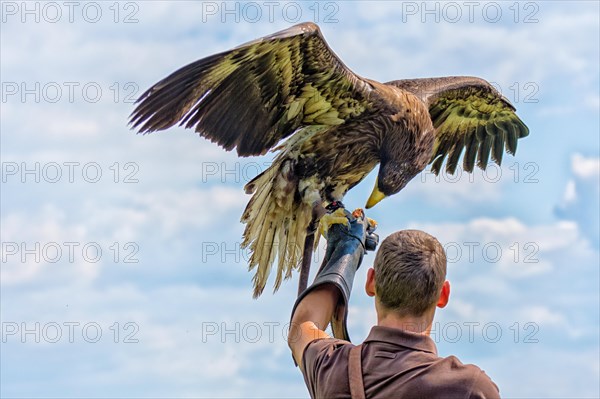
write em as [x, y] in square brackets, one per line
[355, 377]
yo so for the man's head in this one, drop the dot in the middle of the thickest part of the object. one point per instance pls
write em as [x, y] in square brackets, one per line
[409, 274]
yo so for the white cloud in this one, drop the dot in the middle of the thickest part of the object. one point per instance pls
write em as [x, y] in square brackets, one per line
[175, 211]
[49, 244]
[507, 247]
[585, 167]
[206, 350]
[581, 197]
[592, 102]
[528, 366]
[33, 247]
[570, 192]
[542, 315]
[459, 188]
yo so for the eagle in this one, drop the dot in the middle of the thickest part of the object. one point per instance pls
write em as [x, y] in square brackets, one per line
[289, 93]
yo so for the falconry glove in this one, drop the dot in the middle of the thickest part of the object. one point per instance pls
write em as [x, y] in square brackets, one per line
[346, 246]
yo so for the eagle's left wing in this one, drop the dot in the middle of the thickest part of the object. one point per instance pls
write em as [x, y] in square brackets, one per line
[467, 113]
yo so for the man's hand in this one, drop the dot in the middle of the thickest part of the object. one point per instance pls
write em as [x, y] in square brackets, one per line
[311, 318]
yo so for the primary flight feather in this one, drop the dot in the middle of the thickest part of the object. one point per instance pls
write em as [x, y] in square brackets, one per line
[338, 126]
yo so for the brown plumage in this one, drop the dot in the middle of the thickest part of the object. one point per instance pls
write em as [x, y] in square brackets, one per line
[339, 127]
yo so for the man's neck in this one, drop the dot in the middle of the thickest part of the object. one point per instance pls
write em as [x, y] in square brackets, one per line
[420, 325]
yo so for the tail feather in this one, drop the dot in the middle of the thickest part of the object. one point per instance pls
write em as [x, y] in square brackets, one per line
[262, 254]
[258, 207]
[276, 225]
[283, 244]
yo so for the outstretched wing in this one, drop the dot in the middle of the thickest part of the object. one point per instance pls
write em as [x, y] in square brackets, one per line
[251, 97]
[467, 113]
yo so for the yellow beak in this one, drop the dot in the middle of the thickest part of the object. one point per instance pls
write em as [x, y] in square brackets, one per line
[375, 197]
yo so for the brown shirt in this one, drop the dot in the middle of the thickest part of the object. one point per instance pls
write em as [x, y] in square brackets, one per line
[395, 364]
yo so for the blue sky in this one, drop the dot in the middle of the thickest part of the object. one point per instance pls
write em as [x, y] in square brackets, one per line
[121, 271]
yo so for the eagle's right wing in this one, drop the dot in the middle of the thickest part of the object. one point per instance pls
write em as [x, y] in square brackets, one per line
[251, 97]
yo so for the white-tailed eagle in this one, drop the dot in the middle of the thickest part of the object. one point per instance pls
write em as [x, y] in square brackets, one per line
[338, 126]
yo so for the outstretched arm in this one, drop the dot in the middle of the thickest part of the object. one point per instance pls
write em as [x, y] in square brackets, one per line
[326, 300]
[311, 318]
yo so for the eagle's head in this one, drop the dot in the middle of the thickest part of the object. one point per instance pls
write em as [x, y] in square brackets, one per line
[392, 178]
[402, 158]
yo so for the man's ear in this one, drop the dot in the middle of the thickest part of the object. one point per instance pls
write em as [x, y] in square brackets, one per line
[444, 295]
[370, 284]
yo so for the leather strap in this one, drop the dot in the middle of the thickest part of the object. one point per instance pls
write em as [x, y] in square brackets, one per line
[355, 376]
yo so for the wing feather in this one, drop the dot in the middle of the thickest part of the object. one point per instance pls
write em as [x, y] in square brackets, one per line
[471, 144]
[499, 135]
[251, 97]
[455, 156]
[485, 147]
[467, 112]
[512, 137]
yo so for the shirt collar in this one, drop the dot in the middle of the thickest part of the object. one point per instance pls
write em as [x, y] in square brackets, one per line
[403, 338]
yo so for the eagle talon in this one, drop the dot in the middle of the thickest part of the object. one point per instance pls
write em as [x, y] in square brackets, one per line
[358, 213]
[336, 217]
[372, 223]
